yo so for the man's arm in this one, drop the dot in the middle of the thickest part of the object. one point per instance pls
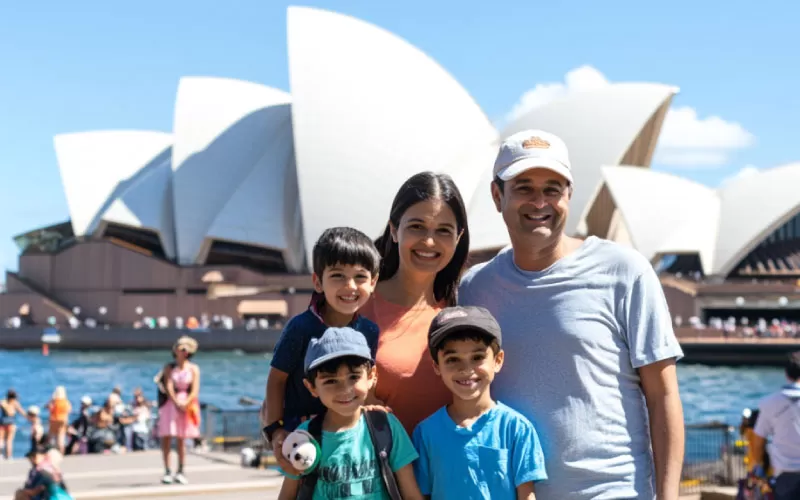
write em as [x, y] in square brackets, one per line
[660, 386]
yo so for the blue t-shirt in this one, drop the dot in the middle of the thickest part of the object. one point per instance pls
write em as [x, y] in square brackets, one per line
[574, 335]
[349, 467]
[486, 461]
[290, 351]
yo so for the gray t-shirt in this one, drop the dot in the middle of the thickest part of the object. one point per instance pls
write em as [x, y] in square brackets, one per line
[573, 337]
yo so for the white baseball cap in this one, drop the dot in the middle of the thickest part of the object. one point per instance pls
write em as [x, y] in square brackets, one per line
[532, 149]
[86, 400]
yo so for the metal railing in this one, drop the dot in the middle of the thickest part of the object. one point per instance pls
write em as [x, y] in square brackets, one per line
[714, 456]
[231, 430]
[714, 451]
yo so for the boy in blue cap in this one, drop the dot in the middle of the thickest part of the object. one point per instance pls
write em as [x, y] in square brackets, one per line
[474, 447]
[340, 371]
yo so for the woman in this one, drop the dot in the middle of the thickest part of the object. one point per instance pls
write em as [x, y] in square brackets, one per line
[179, 416]
[59, 408]
[9, 409]
[423, 249]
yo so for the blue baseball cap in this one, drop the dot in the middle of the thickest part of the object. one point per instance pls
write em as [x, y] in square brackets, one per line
[336, 342]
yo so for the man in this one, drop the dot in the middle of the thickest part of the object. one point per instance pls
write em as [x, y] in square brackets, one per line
[779, 418]
[590, 350]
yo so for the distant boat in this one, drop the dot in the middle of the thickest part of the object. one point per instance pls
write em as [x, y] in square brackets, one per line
[51, 336]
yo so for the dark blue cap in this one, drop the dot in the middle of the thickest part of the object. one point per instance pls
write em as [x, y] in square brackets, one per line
[336, 342]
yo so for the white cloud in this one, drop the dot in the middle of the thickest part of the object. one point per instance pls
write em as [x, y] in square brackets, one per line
[686, 140]
[579, 79]
[743, 173]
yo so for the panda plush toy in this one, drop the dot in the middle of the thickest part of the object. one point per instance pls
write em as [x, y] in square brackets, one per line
[301, 450]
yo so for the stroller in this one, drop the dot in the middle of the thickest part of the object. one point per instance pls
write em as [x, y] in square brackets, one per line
[754, 488]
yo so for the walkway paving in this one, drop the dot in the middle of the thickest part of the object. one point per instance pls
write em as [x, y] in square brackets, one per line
[138, 475]
[212, 476]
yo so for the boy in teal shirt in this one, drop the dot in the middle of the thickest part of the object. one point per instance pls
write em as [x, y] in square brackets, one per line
[340, 371]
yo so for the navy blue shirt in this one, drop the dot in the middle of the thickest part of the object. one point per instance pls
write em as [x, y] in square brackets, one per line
[291, 349]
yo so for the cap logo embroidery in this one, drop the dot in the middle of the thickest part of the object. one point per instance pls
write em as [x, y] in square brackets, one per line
[452, 315]
[535, 142]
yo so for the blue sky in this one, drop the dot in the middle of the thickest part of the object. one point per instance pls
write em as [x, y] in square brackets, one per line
[77, 66]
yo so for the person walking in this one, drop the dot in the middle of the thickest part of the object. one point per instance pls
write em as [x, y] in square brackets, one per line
[590, 350]
[779, 420]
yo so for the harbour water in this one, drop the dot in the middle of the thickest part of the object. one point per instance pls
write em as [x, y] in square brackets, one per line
[708, 393]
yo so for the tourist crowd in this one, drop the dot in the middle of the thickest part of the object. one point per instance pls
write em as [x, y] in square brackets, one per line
[741, 327]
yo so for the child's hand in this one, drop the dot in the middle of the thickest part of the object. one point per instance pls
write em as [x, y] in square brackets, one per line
[377, 407]
[277, 449]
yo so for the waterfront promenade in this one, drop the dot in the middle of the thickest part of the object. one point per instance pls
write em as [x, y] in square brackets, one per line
[700, 346]
[215, 476]
[138, 475]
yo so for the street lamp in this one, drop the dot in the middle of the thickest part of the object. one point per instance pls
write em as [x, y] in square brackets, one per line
[783, 301]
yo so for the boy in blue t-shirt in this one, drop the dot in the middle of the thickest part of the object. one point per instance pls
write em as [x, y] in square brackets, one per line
[340, 371]
[474, 447]
[346, 264]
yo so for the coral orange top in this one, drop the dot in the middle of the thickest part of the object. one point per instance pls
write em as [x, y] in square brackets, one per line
[406, 380]
[59, 410]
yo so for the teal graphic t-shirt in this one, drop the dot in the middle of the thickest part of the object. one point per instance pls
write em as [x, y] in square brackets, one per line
[349, 467]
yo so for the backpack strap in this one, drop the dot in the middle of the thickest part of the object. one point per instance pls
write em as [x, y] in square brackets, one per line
[381, 434]
[309, 481]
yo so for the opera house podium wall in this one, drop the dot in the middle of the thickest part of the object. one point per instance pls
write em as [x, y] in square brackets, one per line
[129, 285]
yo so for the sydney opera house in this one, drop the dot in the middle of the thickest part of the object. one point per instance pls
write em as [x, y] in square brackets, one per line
[219, 215]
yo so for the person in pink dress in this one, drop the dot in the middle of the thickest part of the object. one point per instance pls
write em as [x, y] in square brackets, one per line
[179, 412]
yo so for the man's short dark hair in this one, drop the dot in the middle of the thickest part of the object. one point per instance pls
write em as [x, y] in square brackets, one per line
[345, 246]
[331, 367]
[501, 184]
[793, 366]
[466, 334]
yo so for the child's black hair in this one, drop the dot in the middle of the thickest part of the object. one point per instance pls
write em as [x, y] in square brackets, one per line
[345, 246]
[793, 366]
[332, 366]
[466, 334]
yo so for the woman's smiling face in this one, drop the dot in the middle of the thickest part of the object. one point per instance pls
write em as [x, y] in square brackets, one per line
[426, 235]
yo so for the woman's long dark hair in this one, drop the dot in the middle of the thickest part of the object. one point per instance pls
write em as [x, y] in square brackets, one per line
[422, 187]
